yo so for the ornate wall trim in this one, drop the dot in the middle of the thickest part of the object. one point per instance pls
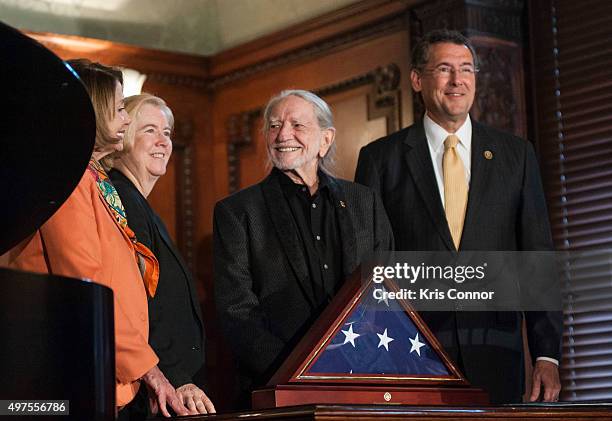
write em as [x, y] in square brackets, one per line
[177, 80]
[496, 30]
[240, 135]
[496, 18]
[183, 150]
[320, 48]
[499, 95]
[163, 66]
[383, 101]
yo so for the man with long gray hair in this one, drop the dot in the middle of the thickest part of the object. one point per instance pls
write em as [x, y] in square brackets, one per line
[283, 246]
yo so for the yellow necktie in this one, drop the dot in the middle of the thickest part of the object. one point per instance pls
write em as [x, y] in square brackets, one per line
[455, 188]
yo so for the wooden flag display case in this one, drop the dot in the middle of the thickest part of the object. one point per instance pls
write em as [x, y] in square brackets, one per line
[365, 349]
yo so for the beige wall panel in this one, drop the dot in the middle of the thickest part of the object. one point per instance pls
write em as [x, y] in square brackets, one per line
[353, 129]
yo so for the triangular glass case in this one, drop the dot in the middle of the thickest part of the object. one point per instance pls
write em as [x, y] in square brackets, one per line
[365, 349]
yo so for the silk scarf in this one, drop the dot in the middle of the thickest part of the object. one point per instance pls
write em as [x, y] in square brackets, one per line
[147, 262]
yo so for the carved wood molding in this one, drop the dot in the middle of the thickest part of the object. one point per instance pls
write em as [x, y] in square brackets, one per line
[499, 92]
[383, 101]
[496, 18]
[499, 98]
[240, 135]
[383, 27]
[162, 66]
[183, 149]
[176, 80]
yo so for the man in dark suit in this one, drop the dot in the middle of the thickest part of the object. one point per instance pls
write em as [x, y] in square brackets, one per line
[450, 183]
[283, 246]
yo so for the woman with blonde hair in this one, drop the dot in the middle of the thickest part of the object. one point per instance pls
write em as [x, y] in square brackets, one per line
[89, 238]
[176, 329]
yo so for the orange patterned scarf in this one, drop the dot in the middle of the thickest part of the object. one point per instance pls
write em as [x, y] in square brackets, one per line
[147, 263]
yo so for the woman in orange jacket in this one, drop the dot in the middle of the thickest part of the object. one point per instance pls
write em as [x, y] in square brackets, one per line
[88, 237]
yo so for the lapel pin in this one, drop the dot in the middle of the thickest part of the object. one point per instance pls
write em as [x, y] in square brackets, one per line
[342, 204]
[488, 154]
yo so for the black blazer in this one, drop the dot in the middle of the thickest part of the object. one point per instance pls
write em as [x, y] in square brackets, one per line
[262, 292]
[176, 331]
[506, 210]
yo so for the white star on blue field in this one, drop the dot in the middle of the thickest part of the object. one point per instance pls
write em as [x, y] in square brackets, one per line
[378, 337]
